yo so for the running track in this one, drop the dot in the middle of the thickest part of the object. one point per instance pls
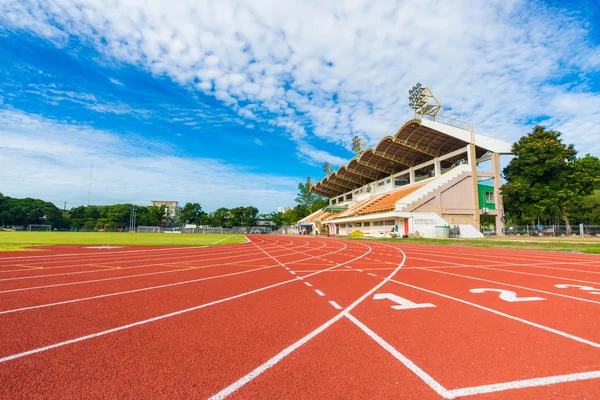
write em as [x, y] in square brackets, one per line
[297, 317]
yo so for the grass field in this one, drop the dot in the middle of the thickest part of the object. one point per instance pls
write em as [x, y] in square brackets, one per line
[591, 246]
[22, 240]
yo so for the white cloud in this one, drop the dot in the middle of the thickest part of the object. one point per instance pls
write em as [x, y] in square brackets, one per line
[51, 160]
[258, 142]
[333, 70]
[54, 95]
[116, 81]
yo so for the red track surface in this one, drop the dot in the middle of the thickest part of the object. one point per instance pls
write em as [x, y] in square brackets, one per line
[297, 317]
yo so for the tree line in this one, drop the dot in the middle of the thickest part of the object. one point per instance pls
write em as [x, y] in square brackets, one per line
[547, 182]
[116, 217]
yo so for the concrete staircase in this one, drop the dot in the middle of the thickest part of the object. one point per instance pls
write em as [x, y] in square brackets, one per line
[433, 185]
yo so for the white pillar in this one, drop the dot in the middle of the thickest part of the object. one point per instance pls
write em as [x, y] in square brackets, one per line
[498, 201]
[469, 156]
[473, 163]
[411, 176]
[438, 166]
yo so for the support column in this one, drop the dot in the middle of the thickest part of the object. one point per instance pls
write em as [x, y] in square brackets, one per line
[470, 157]
[411, 176]
[498, 202]
[438, 166]
[473, 162]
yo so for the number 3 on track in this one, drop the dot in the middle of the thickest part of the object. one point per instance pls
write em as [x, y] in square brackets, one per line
[507, 295]
[588, 289]
[404, 304]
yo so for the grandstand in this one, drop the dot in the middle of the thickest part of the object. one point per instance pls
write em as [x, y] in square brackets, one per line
[424, 176]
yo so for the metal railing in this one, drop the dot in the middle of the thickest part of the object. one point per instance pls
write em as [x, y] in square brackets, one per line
[581, 230]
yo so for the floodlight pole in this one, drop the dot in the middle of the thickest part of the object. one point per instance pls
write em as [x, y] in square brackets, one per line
[132, 219]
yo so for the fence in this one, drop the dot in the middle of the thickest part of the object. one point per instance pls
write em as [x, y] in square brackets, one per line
[585, 231]
[201, 230]
[284, 230]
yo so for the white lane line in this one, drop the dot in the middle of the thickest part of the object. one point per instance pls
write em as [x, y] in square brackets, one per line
[131, 276]
[368, 273]
[348, 266]
[335, 305]
[273, 361]
[319, 292]
[534, 324]
[470, 391]
[359, 270]
[292, 272]
[511, 285]
[125, 259]
[432, 383]
[138, 275]
[219, 241]
[194, 257]
[83, 255]
[544, 276]
[191, 251]
[307, 284]
[526, 383]
[134, 290]
[143, 322]
[146, 321]
[287, 268]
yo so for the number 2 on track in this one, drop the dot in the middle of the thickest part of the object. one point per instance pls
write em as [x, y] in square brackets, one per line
[507, 295]
[586, 288]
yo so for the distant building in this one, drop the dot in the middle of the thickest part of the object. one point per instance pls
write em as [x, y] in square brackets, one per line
[171, 207]
[281, 210]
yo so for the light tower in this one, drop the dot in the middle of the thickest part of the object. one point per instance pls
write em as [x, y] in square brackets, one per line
[423, 101]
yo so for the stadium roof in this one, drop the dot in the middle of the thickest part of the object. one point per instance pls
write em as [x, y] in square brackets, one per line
[418, 141]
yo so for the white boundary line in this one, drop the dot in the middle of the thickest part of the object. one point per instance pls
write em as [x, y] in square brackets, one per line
[230, 236]
[526, 383]
[280, 356]
[425, 377]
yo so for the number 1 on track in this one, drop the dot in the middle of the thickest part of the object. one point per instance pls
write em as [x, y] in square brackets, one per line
[404, 304]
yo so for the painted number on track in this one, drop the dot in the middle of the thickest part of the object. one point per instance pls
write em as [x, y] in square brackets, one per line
[507, 295]
[589, 289]
[403, 304]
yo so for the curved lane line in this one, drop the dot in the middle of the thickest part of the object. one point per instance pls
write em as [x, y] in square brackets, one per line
[288, 350]
[160, 317]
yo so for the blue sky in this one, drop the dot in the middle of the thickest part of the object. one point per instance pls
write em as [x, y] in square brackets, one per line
[229, 104]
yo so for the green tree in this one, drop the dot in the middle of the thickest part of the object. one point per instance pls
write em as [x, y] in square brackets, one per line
[192, 213]
[221, 218]
[307, 200]
[156, 215]
[589, 209]
[546, 177]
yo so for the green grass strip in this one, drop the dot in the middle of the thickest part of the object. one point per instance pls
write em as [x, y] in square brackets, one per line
[12, 241]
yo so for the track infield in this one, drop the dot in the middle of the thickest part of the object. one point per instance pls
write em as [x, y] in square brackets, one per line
[299, 317]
